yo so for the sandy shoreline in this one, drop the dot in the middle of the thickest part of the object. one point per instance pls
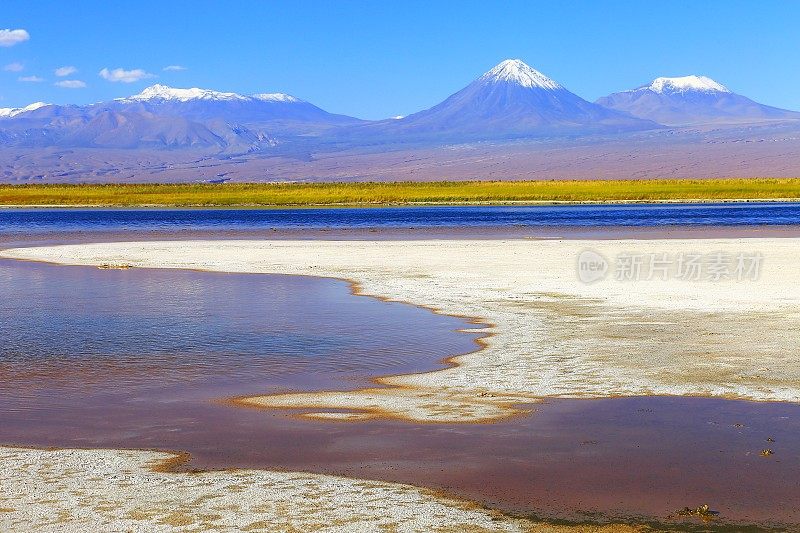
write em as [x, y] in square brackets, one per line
[95, 490]
[76, 490]
[553, 335]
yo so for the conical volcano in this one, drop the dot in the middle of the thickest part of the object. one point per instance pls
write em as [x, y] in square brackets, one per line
[511, 100]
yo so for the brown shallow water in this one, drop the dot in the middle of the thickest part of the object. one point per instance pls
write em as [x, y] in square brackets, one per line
[136, 359]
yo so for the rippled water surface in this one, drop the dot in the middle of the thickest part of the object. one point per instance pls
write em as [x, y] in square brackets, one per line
[608, 215]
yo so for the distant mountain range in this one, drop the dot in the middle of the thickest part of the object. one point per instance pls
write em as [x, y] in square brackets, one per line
[278, 111]
[164, 117]
[692, 100]
[510, 101]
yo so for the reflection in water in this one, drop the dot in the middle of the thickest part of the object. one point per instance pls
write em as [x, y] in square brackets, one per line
[73, 331]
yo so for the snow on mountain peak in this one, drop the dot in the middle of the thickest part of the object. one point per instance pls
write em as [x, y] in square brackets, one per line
[516, 71]
[276, 97]
[8, 112]
[685, 83]
[162, 92]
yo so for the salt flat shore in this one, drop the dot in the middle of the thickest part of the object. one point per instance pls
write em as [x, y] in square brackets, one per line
[550, 334]
[74, 491]
[120, 490]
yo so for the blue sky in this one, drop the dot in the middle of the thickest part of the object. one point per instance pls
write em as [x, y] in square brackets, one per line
[379, 59]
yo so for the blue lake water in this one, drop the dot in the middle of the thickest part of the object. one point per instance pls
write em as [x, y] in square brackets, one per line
[629, 215]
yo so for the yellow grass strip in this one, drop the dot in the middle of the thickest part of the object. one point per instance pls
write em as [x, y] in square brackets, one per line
[398, 193]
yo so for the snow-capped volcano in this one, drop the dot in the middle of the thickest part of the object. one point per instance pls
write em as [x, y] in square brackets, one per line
[516, 71]
[689, 100]
[510, 100]
[685, 83]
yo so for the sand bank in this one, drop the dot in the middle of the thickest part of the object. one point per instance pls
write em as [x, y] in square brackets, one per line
[121, 490]
[118, 490]
[552, 334]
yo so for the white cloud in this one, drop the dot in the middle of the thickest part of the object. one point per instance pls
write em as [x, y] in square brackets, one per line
[174, 68]
[12, 37]
[124, 76]
[14, 67]
[30, 79]
[65, 71]
[70, 84]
